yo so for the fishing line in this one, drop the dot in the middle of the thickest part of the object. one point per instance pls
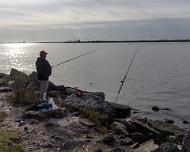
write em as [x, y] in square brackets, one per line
[66, 61]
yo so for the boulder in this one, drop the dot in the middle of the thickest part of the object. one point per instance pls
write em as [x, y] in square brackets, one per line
[130, 127]
[108, 139]
[86, 122]
[155, 108]
[186, 142]
[169, 121]
[120, 128]
[141, 126]
[148, 146]
[72, 143]
[33, 114]
[15, 75]
[3, 75]
[126, 142]
[4, 79]
[168, 147]
[95, 101]
[165, 128]
[139, 137]
[57, 113]
[6, 89]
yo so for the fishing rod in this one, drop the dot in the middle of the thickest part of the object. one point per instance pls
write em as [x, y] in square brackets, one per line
[131, 62]
[78, 57]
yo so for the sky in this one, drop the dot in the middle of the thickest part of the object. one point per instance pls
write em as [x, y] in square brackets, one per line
[61, 20]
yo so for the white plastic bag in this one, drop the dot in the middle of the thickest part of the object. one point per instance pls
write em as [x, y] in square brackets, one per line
[54, 106]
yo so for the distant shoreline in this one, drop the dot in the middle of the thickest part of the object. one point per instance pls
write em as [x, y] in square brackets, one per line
[100, 41]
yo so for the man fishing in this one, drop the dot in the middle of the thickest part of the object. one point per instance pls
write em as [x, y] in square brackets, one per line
[44, 70]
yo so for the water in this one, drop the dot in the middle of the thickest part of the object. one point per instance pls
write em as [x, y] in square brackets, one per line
[160, 74]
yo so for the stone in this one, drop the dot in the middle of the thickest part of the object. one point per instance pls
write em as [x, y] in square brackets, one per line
[185, 122]
[108, 139]
[21, 123]
[135, 145]
[32, 114]
[142, 120]
[120, 128]
[56, 113]
[6, 89]
[15, 75]
[155, 108]
[186, 142]
[139, 137]
[86, 122]
[141, 127]
[172, 138]
[129, 126]
[96, 103]
[4, 80]
[25, 128]
[149, 135]
[148, 146]
[126, 142]
[2, 75]
[121, 111]
[70, 144]
[169, 121]
[165, 128]
[168, 147]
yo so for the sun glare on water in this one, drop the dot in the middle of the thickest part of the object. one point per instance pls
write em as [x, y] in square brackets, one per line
[15, 56]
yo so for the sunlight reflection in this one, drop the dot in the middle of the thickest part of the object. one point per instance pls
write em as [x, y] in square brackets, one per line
[16, 55]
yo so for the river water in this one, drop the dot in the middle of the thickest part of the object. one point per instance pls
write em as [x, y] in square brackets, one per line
[159, 76]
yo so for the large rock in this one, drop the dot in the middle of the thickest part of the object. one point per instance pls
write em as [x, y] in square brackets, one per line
[15, 75]
[4, 79]
[168, 147]
[186, 142]
[71, 144]
[166, 129]
[95, 101]
[126, 142]
[130, 127]
[57, 113]
[86, 122]
[148, 146]
[139, 137]
[142, 126]
[120, 128]
[6, 89]
[108, 139]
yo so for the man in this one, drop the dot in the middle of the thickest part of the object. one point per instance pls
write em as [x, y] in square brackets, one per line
[44, 70]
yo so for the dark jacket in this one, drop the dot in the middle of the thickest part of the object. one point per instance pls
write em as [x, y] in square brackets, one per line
[43, 69]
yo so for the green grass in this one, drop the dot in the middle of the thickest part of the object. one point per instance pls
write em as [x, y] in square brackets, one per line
[22, 94]
[9, 141]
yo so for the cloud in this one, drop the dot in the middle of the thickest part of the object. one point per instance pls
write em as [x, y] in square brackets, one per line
[43, 12]
[86, 15]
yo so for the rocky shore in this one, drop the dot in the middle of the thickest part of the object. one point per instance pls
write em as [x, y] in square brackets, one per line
[83, 122]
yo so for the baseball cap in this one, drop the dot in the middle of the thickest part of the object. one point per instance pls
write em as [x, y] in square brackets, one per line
[43, 52]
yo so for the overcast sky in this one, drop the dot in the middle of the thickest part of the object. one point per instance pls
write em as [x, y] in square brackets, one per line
[34, 20]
